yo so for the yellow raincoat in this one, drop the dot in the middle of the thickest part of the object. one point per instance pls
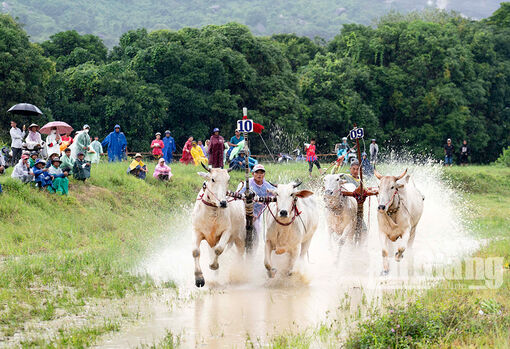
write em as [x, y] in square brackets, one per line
[198, 155]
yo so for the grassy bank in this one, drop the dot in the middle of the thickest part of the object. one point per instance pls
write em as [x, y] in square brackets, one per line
[60, 254]
[449, 314]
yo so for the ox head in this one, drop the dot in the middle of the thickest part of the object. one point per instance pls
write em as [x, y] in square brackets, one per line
[388, 188]
[333, 184]
[217, 184]
[286, 197]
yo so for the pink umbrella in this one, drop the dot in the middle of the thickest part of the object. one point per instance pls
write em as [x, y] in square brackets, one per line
[61, 126]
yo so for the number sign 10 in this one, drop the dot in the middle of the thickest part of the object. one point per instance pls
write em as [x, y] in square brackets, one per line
[245, 125]
[356, 133]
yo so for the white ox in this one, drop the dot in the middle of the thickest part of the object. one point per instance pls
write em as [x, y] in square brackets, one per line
[291, 222]
[399, 211]
[215, 220]
[341, 210]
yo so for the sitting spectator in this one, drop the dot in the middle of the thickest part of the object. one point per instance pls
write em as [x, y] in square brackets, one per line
[2, 163]
[198, 154]
[162, 171]
[41, 177]
[34, 140]
[67, 161]
[33, 158]
[137, 168]
[157, 146]
[239, 162]
[22, 170]
[81, 168]
[59, 180]
[50, 159]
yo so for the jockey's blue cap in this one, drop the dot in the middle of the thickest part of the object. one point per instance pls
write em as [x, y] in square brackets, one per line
[216, 130]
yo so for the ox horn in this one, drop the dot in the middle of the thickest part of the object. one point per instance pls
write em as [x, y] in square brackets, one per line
[377, 174]
[402, 175]
[230, 169]
[205, 168]
[297, 184]
[274, 185]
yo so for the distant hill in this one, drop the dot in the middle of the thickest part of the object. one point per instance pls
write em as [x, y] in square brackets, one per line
[110, 18]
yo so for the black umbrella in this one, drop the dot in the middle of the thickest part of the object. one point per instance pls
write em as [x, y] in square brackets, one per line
[25, 109]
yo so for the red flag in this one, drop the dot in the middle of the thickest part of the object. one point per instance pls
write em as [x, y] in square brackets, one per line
[257, 128]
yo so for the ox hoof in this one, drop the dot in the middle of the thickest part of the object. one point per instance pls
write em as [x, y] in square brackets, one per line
[385, 272]
[199, 281]
[271, 273]
[214, 266]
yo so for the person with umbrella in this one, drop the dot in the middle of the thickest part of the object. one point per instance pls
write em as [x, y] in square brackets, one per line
[34, 141]
[16, 142]
[169, 148]
[53, 142]
[116, 143]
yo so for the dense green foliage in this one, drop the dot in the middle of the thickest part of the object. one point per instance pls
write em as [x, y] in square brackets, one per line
[109, 19]
[504, 158]
[412, 81]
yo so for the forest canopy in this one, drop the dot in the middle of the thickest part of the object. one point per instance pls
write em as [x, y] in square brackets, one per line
[412, 81]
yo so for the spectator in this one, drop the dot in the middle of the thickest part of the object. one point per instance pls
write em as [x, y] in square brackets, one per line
[448, 153]
[33, 140]
[374, 152]
[169, 147]
[368, 170]
[59, 180]
[50, 159]
[311, 157]
[341, 155]
[67, 140]
[32, 159]
[81, 142]
[3, 164]
[216, 148]
[464, 153]
[137, 168]
[206, 147]
[234, 141]
[16, 142]
[198, 154]
[67, 161]
[187, 158]
[53, 142]
[201, 145]
[81, 168]
[116, 143]
[157, 146]
[239, 162]
[162, 171]
[41, 177]
[96, 146]
[22, 170]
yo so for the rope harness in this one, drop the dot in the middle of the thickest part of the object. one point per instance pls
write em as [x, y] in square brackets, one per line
[233, 195]
[390, 202]
[294, 209]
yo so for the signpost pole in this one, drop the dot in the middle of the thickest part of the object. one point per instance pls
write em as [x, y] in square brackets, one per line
[248, 194]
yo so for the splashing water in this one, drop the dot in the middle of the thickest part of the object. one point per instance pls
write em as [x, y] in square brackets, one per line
[239, 301]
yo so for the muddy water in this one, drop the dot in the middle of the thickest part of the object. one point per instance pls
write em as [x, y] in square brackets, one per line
[239, 302]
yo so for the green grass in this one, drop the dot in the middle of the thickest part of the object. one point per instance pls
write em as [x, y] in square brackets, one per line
[59, 254]
[449, 314]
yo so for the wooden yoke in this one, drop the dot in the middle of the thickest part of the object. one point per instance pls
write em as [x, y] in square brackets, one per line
[360, 194]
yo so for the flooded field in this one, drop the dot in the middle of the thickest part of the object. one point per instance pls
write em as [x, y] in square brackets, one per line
[240, 304]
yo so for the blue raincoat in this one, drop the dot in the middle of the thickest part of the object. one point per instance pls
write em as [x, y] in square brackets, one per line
[116, 143]
[168, 149]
